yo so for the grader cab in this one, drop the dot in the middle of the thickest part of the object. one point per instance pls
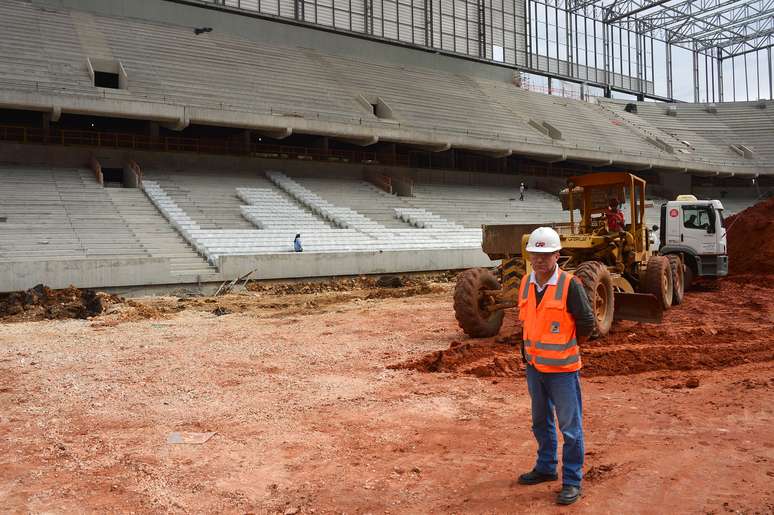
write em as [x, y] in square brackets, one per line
[623, 277]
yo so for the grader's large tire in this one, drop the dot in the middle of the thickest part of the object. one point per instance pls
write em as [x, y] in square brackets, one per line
[658, 280]
[678, 278]
[599, 289]
[470, 303]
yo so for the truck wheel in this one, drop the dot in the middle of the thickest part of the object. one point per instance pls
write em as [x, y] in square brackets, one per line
[678, 278]
[470, 303]
[599, 289]
[658, 280]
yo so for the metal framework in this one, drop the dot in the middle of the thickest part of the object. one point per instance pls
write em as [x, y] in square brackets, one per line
[735, 26]
[607, 44]
[720, 34]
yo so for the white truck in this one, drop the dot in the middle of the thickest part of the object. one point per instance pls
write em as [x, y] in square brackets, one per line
[694, 229]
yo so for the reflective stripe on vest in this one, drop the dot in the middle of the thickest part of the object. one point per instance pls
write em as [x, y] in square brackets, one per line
[551, 346]
[550, 342]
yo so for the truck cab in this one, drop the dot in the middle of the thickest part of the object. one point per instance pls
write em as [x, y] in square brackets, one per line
[694, 228]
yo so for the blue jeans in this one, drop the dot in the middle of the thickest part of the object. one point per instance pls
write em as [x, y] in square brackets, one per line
[558, 392]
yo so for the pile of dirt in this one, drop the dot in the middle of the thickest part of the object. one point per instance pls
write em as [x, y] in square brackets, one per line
[415, 281]
[751, 239]
[696, 335]
[481, 358]
[43, 303]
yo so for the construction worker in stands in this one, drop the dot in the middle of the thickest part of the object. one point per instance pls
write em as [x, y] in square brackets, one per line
[614, 216]
[557, 319]
[521, 191]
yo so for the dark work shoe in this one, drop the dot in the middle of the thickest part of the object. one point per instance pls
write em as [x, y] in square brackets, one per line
[534, 477]
[568, 495]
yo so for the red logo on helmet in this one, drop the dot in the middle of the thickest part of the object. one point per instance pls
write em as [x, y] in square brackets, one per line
[673, 213]
[540, 244]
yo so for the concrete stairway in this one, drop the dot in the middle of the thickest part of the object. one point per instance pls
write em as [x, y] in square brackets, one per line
[359, 196]
[156, 235]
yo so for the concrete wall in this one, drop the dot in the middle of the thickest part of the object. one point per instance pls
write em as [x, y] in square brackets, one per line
[313, 264]
[83, 273]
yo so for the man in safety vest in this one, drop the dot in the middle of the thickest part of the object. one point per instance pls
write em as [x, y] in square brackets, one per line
[557, 318]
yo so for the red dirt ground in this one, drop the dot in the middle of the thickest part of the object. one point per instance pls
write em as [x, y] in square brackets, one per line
[723, 325]
[310, 418]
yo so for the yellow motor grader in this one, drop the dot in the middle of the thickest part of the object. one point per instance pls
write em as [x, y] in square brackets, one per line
[622, 275]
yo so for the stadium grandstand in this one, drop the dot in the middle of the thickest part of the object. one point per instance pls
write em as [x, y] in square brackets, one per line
[173, 142]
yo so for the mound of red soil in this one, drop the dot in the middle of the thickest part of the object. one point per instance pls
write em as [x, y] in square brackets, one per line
[751, 239]
[713, 329]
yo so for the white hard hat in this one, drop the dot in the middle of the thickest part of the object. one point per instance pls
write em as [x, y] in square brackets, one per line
[544, 239]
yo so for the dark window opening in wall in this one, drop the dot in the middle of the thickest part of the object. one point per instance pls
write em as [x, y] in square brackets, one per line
[113, 177]
[106, 80]
[380, 109]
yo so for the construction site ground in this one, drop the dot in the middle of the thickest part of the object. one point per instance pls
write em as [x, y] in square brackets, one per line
[362, 399]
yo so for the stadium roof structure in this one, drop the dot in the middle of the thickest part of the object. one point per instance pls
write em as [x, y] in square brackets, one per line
[730, 27]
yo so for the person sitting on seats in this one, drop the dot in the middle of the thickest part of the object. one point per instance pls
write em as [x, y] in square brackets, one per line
[614, 217]
[297, 244]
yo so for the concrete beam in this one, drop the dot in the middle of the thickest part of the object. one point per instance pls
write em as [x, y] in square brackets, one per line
[362, 142]
[275, 134]
[116, 108]
[440, 147]
[594, 162]
[558, 158]
[497, 154]
[179, 125]
[178, 117]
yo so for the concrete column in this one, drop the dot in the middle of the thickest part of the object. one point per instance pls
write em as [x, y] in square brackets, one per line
[153, 129]
[46, 124]
[247, 138]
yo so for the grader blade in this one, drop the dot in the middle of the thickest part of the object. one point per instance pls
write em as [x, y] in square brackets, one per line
[640, 307]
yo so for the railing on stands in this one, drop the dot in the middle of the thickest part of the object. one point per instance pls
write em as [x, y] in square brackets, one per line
[415, 159]
[90, 138]
[558, 92]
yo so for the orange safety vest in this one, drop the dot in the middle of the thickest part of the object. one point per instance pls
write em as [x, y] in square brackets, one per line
[550, 343]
